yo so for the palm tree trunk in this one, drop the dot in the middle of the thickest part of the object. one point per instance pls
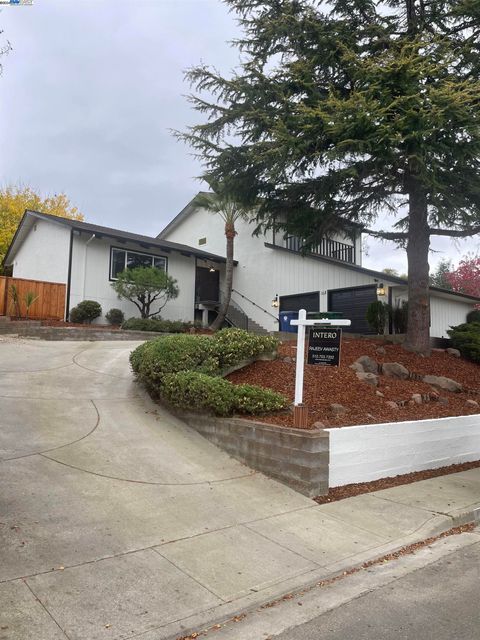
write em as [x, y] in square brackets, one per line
[230, 234]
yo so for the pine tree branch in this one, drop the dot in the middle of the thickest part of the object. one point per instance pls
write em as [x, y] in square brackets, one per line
[454, 233]
[386, 235]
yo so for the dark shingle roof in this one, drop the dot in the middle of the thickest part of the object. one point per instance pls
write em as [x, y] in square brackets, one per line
[118, 234]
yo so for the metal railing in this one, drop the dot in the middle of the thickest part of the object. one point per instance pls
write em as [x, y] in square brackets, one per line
[254, 304]
[327, 248]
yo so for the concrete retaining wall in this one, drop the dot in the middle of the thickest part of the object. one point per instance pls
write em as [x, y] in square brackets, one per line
[370, 452]
[296, 457]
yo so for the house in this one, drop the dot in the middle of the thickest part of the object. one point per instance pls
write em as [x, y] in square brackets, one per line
[271, 274]
[86, 258]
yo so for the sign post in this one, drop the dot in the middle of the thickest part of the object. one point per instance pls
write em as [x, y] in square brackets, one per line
[320, 355]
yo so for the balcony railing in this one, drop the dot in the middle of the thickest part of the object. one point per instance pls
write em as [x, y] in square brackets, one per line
[327, 248]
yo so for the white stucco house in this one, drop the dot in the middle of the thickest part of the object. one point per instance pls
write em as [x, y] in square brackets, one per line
[268, 268]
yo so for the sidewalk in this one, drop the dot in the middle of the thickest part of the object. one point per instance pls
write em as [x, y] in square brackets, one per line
[326, 539]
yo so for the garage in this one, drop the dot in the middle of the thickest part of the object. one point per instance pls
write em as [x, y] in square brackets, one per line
[308, 301]
[353, 303]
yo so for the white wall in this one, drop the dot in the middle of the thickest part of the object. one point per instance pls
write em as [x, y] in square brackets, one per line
[262, 272]
[446, 313]
[43, 255]
[370, 452]
[90, 278]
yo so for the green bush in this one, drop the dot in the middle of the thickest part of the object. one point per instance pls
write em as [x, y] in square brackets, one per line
[115, 316]
[473, 315]
[234, 345]
[171, 354]
[466, 338]
[85, 311]
[198, 391]
[256, 400]
[201, 392]
[377, 315]
[399, 316]
[185, 370]
[157, 324]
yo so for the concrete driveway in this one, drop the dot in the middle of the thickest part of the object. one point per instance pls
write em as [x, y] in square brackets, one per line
[118, 521]
[115, 518]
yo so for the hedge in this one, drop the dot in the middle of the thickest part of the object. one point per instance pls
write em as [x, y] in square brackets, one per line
[185, 370]
[466, 338]
[198, 391]
[157, 324]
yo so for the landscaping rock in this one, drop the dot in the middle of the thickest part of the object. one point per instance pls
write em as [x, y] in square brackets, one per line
[454, 352]
[417, 398]
[392, 405]
[369, 364]
[338, 409]
[440, 382]
[318, 425]
[443, 400]
[369, 378]
[381, 351]
[356, 366]
[395, 370]
[471, 403]
[287, 359]
[435, 350]
[379, 394]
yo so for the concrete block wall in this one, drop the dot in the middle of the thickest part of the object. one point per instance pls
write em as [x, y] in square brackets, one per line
[295, 457]
[369, 452]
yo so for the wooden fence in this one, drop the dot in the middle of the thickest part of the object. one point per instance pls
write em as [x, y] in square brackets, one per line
[50, 303]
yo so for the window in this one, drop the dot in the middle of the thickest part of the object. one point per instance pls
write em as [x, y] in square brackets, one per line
[121, 259]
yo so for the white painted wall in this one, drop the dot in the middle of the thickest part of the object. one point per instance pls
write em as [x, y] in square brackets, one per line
[446, 313]
[43, 255]
[370, 452]
[90, 278]
[262, 272]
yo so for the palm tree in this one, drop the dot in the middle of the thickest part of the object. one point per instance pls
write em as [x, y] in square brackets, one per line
[224, 205]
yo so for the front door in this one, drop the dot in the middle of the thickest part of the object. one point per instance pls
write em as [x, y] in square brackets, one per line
[207, 285]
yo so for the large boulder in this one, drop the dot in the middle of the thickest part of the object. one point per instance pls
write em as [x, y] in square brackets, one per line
[369, 365]
[440, 382]
[453, 352]
[338, 409]
[395, 370]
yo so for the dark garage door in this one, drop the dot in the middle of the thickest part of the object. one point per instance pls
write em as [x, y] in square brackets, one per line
[307, 301]
[353, 303]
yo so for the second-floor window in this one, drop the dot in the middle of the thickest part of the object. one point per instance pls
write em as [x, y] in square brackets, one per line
[121, 259]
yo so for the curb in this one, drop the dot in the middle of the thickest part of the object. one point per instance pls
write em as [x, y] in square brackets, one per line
[248, 604]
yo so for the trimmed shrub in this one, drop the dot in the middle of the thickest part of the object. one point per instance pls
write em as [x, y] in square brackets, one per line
[255, 400]
[157, 324]
[171, 354]
[377, 315]
[235, 345]
[466, 338]
[198, 391]
[185, 371]
[201, 392]
[115, 316]
[85, 311]
[473, 315]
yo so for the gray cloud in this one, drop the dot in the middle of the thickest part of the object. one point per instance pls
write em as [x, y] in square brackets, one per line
[90, 93]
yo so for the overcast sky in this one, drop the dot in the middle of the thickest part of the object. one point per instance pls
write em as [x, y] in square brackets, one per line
[90, 92]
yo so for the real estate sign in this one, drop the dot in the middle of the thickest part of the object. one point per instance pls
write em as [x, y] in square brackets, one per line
[324, 345]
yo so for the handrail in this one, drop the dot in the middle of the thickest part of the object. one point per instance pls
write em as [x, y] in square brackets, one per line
[255, 304]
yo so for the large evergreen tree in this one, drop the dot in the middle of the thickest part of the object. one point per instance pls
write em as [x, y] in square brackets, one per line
[345, 110]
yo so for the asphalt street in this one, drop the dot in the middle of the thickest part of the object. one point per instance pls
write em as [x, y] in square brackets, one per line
[438, 602]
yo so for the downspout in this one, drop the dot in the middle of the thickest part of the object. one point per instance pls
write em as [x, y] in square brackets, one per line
[92, 237]
[69, 276]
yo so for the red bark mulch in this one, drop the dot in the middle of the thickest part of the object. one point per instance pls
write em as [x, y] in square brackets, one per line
[349, 490]
[326, 385]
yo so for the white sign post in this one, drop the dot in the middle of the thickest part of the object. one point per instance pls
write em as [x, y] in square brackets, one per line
[299, 409]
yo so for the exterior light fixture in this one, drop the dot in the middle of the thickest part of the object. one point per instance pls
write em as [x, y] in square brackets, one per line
[380, 290]
[276, 302]
[212, 269]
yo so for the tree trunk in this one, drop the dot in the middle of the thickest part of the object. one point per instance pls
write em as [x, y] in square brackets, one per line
[222, 312]
[418, 329]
